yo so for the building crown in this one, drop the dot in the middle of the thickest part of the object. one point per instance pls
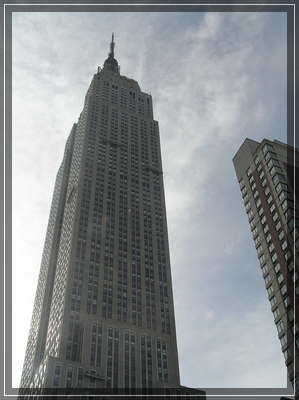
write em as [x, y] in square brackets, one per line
[111, 63]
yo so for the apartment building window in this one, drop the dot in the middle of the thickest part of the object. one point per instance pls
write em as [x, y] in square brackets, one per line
[280, 278]
[270, 290]
[278, 225]
[291, 315]
[276, 313]
[273, 301]
[277, 267]
[262, 259]
[265, 268]
[274, 169]
[287, 353]
[287, 301]
[281, 186]
[267, 279]
[283, 340]
[267, 147]
[271, 247]
[272, 162]
[269, 155]
[266, 191]
[279, 326]
[287, 255]
[278, 177]
[283, 289]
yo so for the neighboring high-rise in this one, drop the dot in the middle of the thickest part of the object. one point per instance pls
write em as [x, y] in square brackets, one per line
[268, 176]
[103, 314]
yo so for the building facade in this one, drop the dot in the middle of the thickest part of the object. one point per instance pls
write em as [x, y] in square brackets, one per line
[268, 176]
[103, 315]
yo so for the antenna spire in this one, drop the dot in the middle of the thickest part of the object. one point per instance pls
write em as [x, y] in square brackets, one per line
[112, 44]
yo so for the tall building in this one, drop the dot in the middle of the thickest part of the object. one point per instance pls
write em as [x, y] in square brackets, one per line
[103, 315]
[268, 176]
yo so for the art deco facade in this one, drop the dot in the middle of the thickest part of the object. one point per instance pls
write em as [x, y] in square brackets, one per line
[268, 176]
[103, 315]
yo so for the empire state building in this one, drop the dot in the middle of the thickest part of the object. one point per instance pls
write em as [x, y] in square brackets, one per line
[103, 317]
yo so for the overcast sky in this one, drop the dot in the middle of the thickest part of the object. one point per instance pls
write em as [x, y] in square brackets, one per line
[216, 79]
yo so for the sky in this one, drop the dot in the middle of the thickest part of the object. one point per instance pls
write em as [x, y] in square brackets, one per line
[216, 79]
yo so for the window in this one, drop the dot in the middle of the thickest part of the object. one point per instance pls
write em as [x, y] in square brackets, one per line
[248, 172]
[278, 177]
[272, 208]
[287, 255]
[280, 278]
[287, 353]
[265, 268]
[276, 313]
[284, 245]
[287, 301]
[283, 289]
[274, 169]
[281, 186]
[291, 266]
[278, 226]
[267, 147]
[264, 182]
[266, 191]
[275, 217]
[268, 238]
[272, 162]
[284, 194]
[291, 315]
[269, 155]
[274, 257]
[279, 326]
[277, 268]
[269, 199]
[258, 203]
[257, 240]
[270, 290]
[266, 228]
[281, 235]
[267, 279]
[290, 368]
[283, 339]
[287, 203]
[273, 301]
[271, 247]
[263, 220]
[259, 249]
[262, 259]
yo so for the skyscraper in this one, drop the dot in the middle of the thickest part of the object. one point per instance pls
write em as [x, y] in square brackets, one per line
[268, 176]
[103, 315]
